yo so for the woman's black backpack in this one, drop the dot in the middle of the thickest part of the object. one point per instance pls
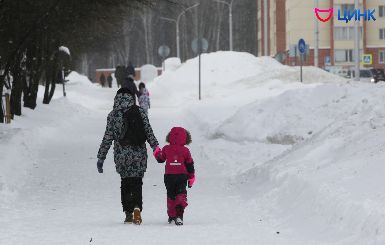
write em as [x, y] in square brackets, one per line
[133, 133]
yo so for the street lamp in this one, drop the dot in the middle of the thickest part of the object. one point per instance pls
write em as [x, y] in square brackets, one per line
[176, 21]
[230, 5]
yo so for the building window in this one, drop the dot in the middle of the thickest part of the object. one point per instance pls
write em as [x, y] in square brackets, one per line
[343, 8]
[381, 11]
[381, 55]
[344, 55]
[348, 7]
[382, 33]
[344, 33]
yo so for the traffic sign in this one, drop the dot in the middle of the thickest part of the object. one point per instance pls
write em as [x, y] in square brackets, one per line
[301, 46]
[164, 51]
[367, 59]
[200, 45]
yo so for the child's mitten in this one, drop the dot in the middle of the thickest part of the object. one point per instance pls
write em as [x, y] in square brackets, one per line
[158, 155]
[191, 181]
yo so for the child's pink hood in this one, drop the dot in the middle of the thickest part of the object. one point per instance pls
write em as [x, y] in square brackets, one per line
[178, 136]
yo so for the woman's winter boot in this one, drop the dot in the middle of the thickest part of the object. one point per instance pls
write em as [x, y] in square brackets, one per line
[137, 217]
[128, 219]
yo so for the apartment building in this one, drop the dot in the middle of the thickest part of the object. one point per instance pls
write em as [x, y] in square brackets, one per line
[290, 20]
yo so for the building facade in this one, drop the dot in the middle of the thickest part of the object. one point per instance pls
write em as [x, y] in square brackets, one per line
[288, 21]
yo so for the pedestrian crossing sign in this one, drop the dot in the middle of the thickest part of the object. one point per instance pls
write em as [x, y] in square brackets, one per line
[367, 59]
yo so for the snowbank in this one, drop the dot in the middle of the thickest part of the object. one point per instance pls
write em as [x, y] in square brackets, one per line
[308, 156]
[229, 74]
[171, 64]
[288, 118]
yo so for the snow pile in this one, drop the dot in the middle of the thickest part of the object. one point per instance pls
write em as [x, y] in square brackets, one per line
[310, 152]
[75, 78]
[292, 117]
[148, 73]
[229, 73]
[171, 64]
[333, 177]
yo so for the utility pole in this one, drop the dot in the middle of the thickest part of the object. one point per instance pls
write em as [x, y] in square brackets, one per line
[177, 20]
[316, 38]
[265, 25]
[357, 46]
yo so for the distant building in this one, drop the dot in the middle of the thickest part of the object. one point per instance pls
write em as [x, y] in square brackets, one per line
[288, 21]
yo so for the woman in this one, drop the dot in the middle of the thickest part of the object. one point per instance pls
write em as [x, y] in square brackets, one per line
[130, 160]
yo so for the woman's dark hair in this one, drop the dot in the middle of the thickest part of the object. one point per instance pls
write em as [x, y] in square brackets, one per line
[142, 85]
[188, 139]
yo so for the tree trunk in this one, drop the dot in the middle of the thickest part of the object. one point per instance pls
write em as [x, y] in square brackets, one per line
[50, 83]
[16, 92]
[1, 100]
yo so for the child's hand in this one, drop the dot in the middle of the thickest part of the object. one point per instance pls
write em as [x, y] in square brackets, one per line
[191, 181]
[157, 151]
[158, 155]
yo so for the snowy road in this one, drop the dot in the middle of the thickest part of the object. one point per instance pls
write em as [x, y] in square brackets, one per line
[65, 200]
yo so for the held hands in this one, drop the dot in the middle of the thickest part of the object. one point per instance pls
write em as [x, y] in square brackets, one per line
[100, 165]
[158, 155]
[191, 181]
[157, 151]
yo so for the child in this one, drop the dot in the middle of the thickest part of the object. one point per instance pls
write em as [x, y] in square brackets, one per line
[144, 98]
[179, 170]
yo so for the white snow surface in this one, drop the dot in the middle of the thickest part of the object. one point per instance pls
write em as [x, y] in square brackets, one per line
[277, 161]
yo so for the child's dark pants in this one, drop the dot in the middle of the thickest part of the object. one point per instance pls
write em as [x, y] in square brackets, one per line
[176, 194]
[131, 193]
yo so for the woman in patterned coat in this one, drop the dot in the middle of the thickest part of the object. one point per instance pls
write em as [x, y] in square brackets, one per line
[130, 161]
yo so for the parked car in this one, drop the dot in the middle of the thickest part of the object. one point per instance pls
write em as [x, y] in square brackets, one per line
[370, 75]
[378, 75]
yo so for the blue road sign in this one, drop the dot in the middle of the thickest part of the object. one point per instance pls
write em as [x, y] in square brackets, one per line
[367, 59]
[301, 46]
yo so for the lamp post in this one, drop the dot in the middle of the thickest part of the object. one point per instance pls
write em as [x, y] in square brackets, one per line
[176, 21]
[230, 5]
[357, 46]
[316, 38]
[265, 26]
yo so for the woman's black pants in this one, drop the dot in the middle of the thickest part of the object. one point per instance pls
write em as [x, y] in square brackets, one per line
[131, 193]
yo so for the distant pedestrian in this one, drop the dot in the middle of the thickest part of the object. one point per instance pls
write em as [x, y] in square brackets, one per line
[120, 75]
[103, 80]
[144, 98]
[109, 80]
[131, 70]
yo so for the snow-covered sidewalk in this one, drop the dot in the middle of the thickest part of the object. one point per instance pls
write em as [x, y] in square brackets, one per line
[62, 199]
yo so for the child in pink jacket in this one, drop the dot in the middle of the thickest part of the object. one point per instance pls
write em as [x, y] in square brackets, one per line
[179, 171]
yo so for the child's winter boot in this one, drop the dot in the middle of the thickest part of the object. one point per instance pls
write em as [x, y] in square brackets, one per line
[179, 214]
[179, 221]
[171, 219]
